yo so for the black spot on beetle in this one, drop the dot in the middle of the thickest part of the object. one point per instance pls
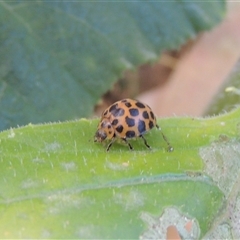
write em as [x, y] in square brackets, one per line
[134, 112]
[115, 122]
[130, 121]
[118, 112]
[152, 115]
[119, 128]
[140, 105]
[128, 104]
[141, 126]
[145, 115]
[113, 108]
[105, 112]
[130, 134]
[151, 125]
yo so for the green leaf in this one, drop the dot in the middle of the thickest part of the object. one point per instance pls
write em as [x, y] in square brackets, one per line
[58, 57]
[57, 183]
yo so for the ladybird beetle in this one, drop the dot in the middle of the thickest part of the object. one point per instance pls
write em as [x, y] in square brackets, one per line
[126, 119]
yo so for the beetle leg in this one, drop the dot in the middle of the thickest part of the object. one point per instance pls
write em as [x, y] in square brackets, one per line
[145, 141]
[110, 144]
[129, 145]
[170, 148]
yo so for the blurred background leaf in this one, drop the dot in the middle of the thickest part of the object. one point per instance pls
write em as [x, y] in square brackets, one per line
[58, 58]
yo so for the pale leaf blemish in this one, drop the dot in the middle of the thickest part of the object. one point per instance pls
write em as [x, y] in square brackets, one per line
[38, 160]
[129, 200]
[157, 227]
[222, 231]
[46, 233]
[222, 123]
[61, 202]
[125, 164]
[29, 183]
[234, 217]
[87, 231]
[57, 203]
[52, 147]
[117, 166]
[69, 166]
[22, 215]
[66, 224]
[221, 161]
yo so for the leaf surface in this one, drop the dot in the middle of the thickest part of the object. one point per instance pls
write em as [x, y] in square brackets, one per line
[57, 183]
